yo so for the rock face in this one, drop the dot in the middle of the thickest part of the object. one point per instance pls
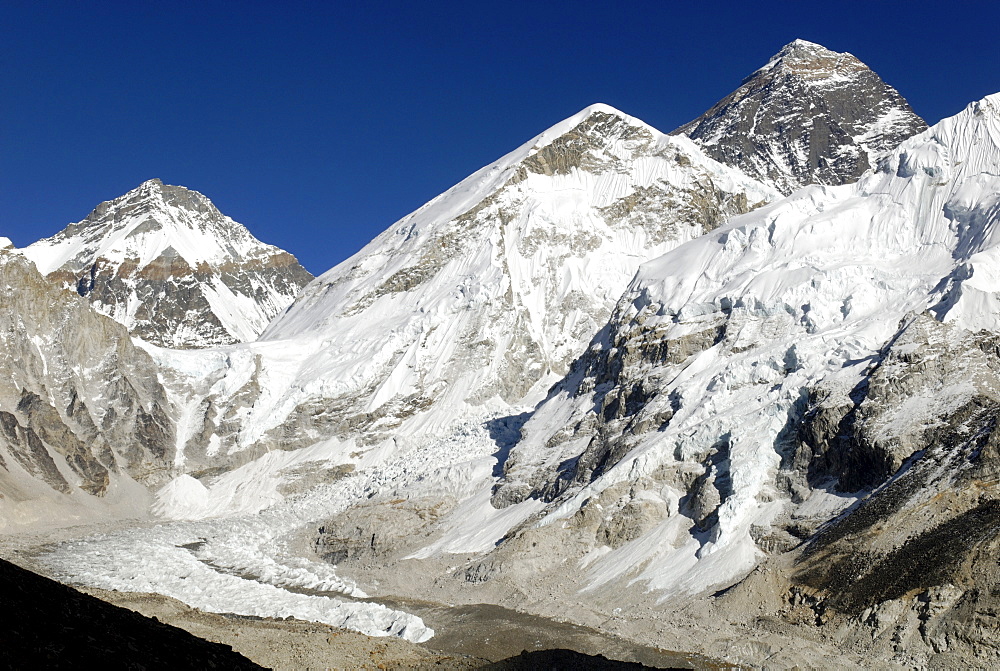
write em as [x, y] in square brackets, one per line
[812, 380]
[923, 386]
[906, 568]
[81, 410]
[810, 116]
[748, 387]
[163, 261]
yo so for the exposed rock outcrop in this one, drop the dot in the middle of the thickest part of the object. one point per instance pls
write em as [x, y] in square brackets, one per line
[484, 295]
[906, 566]
[80, 406]
[755, 382]
[926, 384]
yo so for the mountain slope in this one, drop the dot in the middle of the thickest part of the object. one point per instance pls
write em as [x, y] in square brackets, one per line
[748, 387]
[480, 298]
[163, 261]
[83, 418]
[755, 382]
[389, 371]
[809, 116]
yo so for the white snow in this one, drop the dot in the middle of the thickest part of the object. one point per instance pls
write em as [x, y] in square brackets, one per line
[539, 262]
[806, 287]
[240, 563]
[134, 230]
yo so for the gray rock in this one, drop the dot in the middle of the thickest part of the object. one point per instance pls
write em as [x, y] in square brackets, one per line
[79, 403]
[810, 116]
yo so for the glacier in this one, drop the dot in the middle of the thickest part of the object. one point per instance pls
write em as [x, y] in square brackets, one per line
[806, 290]
[398, 349]
[593, 359]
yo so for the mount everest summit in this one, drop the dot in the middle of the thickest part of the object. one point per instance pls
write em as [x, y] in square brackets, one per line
[809, 116]
[612, 362]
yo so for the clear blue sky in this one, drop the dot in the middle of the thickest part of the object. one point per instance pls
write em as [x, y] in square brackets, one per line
[319, 125]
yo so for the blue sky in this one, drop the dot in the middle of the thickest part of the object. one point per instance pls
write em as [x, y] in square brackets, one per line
[319, 124]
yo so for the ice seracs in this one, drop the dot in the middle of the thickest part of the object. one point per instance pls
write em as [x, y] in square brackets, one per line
[163, 261]
[399, 368]
[601, 364]
[481, 297]
[689, 400]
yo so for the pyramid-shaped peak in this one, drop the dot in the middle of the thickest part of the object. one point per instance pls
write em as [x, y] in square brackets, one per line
[166, 263]
[151, 195]
[603, 111]
[590, 117]
[151, 188]
[600, 108]
[156, 188]
[809, 116]
[588, 113]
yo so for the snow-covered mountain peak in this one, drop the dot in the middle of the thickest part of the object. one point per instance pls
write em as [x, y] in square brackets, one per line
[142, 224]
[591, 164]
[801, 51]
[157, 193]
[591, 113]
[800, 45]
[958, 157]
[483, 296]
[939, 189]
[167, 264]
[815, 63]
[809, 116]
[718, 346]
[153, 187]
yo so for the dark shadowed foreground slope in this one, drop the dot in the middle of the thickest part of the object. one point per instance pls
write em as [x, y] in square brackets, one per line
[48, 625]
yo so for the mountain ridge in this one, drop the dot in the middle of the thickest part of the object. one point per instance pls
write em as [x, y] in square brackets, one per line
[500, 280]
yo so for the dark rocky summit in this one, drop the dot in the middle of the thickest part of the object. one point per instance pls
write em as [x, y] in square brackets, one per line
[810, 116]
